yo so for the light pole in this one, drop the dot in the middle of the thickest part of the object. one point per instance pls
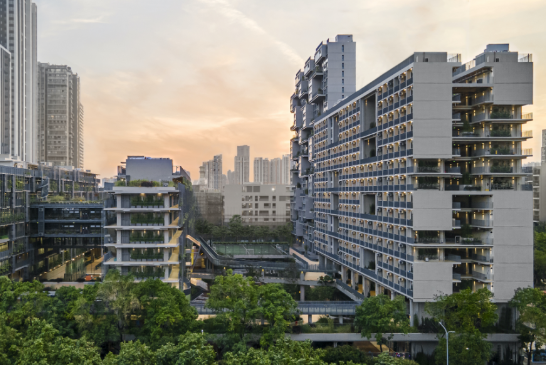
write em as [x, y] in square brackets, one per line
[447, 342]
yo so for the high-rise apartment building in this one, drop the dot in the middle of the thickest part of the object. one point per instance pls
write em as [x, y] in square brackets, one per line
[60, 116]
[415, 182]
[212, 171]
[275, 174]
[18, 37]
[285, 172]
[543, 147]
[242, 165]
[259, 174]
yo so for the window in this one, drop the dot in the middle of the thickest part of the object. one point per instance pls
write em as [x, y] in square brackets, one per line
[342, 65]
[343, 57]
[342, 96]
[342, 73]
[342, 48]
[343, 81]
[342, 89]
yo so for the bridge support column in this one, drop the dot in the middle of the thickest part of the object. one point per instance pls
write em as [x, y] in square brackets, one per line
[344, 274]
[366, 287]
[310, 319]
[302, 275]
[302, 293]
[321, 262]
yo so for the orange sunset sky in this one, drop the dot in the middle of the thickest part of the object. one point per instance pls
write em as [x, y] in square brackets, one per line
[189, 79]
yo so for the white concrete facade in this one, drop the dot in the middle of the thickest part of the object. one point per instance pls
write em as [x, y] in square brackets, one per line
[146, 234]
[415, 183]
[258, 204]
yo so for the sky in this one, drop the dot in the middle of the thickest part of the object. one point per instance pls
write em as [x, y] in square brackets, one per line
[190, 79]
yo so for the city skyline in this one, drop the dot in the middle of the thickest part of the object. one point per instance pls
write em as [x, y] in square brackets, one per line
[126, 99]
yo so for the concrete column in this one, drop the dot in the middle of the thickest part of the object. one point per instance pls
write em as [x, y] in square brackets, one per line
[343, 274]
[310, 319]
[118, 254]
[302, 276]
[392, 295]
[166, 200]
[366, 287]
[118, 218]
[321, 262]
[166, 219]
[335, 344]
[166, 255]
[411, 311]
[118, 237]
[302, 293]
[354, 279]
[167, 273]
[165, 236]
[118, 201]
[340, 319]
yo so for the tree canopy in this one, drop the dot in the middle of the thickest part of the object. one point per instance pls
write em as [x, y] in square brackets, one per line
[382, 316]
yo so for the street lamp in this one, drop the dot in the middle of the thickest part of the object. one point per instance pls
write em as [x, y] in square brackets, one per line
[447, 342]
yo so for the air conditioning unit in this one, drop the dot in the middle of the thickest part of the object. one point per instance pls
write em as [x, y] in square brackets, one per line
[340, 252]
[165, 185]
[458, 239]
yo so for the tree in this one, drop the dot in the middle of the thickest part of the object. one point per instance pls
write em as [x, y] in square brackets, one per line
[132, 353]
[94, 319]
[20, 301]
[263, 232]
[381, 315]
[464, 349]
[165, 312]
[192, 349]
[278, 308]
[236, 228]
[43, 345]
[284, 352]
[10, 342]
[466, 313]
[202, 226]
[531, 324]
[117, 291]
[540, 255]
[235, 298]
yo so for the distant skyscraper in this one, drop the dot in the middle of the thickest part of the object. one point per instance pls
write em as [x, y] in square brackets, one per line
[543, 148]
[242, 165]
[285, 169]
[60, 116]
[259, 170]
[18, 37]
[267, 171]
[275, 175]
[231, 177]
[213, 172]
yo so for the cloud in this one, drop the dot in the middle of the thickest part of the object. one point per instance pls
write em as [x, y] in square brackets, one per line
[225, 9]
[99, 19]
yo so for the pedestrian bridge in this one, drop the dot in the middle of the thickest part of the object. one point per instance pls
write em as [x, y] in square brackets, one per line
[305, 308]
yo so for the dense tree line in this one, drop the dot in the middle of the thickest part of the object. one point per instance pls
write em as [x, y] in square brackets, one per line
[91, 325]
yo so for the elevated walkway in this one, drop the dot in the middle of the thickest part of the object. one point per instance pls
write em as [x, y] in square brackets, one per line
[242, 263]
[305, 308]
